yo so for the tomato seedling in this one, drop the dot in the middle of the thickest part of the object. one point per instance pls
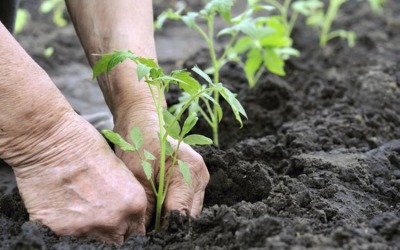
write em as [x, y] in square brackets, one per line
[169, 126]
[263, 41]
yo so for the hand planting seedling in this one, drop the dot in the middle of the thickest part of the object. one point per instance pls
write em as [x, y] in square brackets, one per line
[263, 41]
[169, 126]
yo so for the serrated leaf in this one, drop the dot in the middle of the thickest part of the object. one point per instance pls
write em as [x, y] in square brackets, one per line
[118, 57]
[142, 70]
[197, 140]
[148, 170]
[189, 123]
[185, 171]
[202, 74]
[186, 81]
[149, 156]
[109, 61]
[174, 128]
[117, 140]
[136, 137]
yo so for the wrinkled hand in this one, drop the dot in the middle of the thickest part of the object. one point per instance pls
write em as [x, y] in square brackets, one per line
[180, 196]
[71, 181]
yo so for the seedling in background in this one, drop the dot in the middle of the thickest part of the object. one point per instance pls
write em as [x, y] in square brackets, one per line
[169, 124]
[263, 41]
[316, 16]
[57, 7]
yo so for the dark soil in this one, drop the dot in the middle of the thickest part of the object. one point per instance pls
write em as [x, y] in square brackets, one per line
[316, 165]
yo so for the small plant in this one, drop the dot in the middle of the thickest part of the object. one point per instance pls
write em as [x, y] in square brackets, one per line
[263, 41]
[318, 17]
[58, 8]
[169, 124]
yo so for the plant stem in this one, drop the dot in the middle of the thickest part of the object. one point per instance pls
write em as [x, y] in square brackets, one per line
[160, 193]
[171, 170]
[215, 64]
[285, 8]
[333, 8]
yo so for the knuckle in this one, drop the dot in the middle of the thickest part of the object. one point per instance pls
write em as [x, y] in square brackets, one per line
[137, 202]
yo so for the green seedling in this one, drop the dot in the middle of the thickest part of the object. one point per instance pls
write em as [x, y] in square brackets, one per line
[169, 124]
[256, 44]
[376, 5]
[322, 20]
[316, 16]
[21, 20]
[57, 7]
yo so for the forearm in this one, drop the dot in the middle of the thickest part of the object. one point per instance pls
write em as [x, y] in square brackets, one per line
[104, 26]
[24, 87]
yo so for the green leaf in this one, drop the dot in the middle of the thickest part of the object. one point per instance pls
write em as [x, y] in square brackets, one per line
[190, 19]
[169, 14]
[220, 6]
[273, 62]
[109, 61]
[169, 150]
[58, 17]
[197, 140]
[252, 64]
[217, 106]
[136, 137]
[149, 156]
[243, 45]
[149, 62]
[234, 103]
[174, 128]
[142, 70]
[186, 81]
[202, 74]
[189, 123]
[46, 7]
[21, 20]
[117, 140]
[118, 57]
[48, 52]
[306, 8]
[316, 19]
[147, 169]
[287, 52]
[185, 171]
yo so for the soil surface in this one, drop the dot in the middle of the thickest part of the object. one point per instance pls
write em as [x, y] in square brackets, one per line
[316, 165]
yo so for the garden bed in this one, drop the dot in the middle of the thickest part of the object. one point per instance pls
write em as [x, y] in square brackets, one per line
[316, 165]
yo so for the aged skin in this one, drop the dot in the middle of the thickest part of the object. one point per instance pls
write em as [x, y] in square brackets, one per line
[68, 177]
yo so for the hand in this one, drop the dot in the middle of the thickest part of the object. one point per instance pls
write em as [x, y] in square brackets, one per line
[74, 184]
[180, 196]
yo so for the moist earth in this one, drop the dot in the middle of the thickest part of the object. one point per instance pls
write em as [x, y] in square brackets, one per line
[316, 165]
